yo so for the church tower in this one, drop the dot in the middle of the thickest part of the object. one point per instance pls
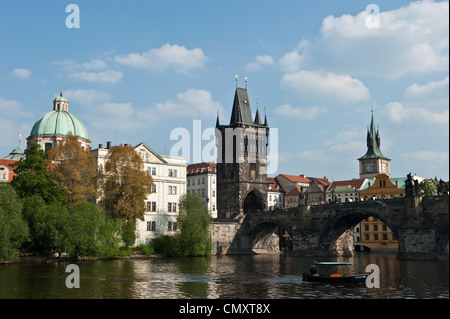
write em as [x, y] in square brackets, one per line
[373, 162]
[241, 160]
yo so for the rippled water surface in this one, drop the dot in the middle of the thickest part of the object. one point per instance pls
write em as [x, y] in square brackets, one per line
[258, 276]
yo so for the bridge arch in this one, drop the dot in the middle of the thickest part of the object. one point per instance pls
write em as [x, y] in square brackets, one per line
[253, 202]
[337, 225]
[261, 235]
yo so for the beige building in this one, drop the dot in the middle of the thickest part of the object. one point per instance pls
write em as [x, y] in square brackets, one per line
[161, 206]
[201, 179]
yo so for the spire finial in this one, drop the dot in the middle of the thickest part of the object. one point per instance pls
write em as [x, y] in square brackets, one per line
[245, 82]
[237, 79]
[60, 92]
[257, 104]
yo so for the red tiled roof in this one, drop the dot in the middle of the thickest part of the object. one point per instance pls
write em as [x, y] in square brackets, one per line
[7, 163]
[356, 183]
[199, 168]
[273, 185]
[296, 179]
[295, 191]
[321, 181]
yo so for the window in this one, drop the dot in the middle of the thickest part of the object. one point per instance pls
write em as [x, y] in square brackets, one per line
[171, 207]
[366, 227]
[203, 180]
[375, 237]
[151, 170]
[213, 193]
[151, 226]
[213, 180]
[154, 188]
[170, 226]
[385, 237]
[384, 227]
[213, 207]
[172, 172]
[188, 182]
[375, 227]
[252, 170]
[172, 190]
[151, 206]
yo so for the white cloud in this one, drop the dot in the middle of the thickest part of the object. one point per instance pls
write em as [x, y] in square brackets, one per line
[328, 87]
[410, 40]
[260, 60]
[109, 76]
[295, 60]
[192, 103]
[168, 56]
[422, 104]
[307, 113]
[425, 163]
[87, 97]
[96, 71]
[21, 73]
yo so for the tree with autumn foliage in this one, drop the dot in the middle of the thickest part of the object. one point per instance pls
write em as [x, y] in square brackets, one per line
[75, 170]
[125, 186]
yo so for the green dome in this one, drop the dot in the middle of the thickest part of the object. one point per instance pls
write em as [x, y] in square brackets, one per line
[59, 123]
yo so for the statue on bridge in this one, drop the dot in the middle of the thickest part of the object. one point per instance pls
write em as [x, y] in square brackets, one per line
[443, 187]
[409, 187]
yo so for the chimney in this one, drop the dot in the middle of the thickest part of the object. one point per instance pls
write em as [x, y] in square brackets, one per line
[100, 145]
[108, 145]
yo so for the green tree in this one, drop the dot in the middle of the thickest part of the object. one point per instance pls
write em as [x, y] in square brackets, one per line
[193, 224]
[428, 187]
[75, 171]
[33, 177]
[13, 229]
[48, 224]
[85, 223]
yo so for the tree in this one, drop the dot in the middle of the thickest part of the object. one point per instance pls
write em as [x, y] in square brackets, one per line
[13, 229]
[428, 187]
[125, 185]
[85, 222]
[33, 177]
[75, 171]
[48, 224]
[193, 224]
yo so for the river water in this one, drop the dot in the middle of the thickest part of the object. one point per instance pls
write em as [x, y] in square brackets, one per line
[275, 276]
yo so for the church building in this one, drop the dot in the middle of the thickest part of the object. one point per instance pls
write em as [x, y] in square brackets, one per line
[52, 127]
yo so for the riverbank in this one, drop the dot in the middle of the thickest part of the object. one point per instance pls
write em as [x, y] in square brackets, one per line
[30, 259]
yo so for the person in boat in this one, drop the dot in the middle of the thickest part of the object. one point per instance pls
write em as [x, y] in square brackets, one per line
[313, 270]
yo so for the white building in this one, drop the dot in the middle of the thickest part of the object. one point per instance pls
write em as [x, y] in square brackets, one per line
[275, 195]
[201, 179]
[161, 206]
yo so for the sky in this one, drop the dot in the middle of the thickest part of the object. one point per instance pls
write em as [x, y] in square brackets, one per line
[143, 71]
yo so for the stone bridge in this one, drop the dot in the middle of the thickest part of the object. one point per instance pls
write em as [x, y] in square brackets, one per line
[421, 225]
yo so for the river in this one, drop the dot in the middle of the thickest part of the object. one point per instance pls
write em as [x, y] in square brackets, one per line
[274, 276]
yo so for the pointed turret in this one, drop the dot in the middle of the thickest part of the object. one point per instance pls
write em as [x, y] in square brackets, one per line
[373, 141]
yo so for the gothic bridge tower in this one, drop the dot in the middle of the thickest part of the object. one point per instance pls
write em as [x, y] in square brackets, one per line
[241, 160]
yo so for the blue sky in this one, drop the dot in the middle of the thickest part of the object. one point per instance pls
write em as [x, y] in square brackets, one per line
[135, 71]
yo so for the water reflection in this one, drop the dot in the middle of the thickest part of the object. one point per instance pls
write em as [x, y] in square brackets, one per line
[261, 276]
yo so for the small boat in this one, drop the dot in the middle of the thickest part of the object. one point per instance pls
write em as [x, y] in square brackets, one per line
[335, 278]
[332, 263]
